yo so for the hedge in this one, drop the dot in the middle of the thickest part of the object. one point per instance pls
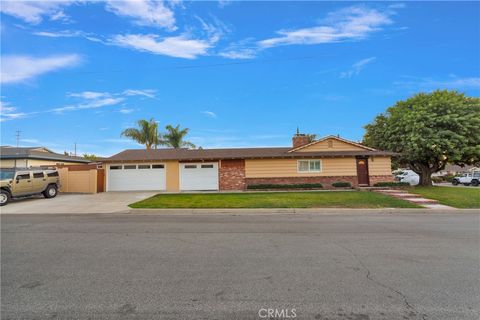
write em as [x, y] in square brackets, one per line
[391, 184]
[342, 184]
[285, 186]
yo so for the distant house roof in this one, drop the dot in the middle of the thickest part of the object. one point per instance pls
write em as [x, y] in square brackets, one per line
[40, 153]
[232, 153]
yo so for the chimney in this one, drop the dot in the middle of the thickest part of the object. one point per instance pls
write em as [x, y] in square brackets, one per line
[300, 139]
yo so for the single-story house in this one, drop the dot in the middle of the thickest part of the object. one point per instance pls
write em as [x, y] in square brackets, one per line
[25, 157]
[324, 161]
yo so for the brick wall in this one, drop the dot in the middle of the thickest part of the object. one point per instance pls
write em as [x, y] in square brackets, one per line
[232, 175]
[325, 181]
[385, 178]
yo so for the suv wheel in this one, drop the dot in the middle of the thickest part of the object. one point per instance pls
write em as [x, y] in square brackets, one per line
[455, 182]
[475, 183]
[50, 192]
[4, 197]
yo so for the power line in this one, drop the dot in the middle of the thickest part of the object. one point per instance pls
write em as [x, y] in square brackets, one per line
[199, 66]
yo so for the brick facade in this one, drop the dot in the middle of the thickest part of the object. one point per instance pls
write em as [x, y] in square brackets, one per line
[376, 179]
[232, 175]
[325, 181]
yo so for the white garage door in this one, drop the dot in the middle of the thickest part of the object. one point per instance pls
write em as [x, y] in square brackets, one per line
[199, 176]
[142, 176]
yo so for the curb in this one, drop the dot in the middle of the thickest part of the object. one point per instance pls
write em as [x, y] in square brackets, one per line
[288, 211]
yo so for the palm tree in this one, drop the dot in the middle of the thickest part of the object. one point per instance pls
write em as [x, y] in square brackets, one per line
[147, 133]
[174, 137]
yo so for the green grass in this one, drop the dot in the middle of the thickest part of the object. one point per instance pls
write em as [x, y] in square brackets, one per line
[345, 199]
[457, 197]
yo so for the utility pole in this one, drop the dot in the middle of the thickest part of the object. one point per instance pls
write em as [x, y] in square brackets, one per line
[17, 135]
[75, 153]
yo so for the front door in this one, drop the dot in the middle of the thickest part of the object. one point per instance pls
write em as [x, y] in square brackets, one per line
[362, 172]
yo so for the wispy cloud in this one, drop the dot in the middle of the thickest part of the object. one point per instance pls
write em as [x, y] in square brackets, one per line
[357, 67]
[125, 110]
[8, 112]
[244, 49]
[178, 46]
[149, 93]
[18, 68]
[144, 12]
[88, 95]
[210, 114]
[347, 24]
[453, 82]
[34, 12]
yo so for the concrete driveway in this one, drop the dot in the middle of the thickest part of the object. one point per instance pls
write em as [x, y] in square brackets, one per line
[105, 202]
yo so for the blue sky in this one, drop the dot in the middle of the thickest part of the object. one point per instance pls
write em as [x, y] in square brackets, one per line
[235, 73]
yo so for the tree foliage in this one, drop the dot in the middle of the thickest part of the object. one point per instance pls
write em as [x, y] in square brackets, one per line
[89, 156]
[429, 131]
[174, 137]
[146, 133]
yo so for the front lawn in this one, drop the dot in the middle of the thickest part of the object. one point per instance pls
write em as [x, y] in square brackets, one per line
[339, 199]
[458, 197]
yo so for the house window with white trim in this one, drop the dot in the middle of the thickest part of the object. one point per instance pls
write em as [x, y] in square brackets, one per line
[309, 166]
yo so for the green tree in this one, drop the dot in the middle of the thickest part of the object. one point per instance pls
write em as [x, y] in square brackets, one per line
[88, 156]
[146, 133]
[174, 137]
[429, 131]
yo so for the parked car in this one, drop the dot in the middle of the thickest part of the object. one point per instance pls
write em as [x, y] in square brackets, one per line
[471, 178]
[408, 176]
[18, 183]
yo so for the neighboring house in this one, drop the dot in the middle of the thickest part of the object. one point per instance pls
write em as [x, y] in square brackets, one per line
[25, 157]
[323, 161]
[453, 169]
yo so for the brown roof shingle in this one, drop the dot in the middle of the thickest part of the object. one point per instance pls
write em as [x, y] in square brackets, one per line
[231, 153]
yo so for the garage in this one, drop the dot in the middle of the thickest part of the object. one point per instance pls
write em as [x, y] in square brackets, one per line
[199, 176]
[127, 177]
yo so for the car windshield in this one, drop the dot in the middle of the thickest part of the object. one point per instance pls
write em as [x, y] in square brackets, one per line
[7, 174]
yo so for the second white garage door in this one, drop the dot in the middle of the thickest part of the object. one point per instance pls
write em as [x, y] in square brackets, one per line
[129, 177]
[199, 176]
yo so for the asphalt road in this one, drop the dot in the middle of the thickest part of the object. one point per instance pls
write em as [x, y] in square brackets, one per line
[341, 266]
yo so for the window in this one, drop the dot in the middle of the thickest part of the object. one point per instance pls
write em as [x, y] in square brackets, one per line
[309, 166]
[190, 166]
[130, 166]
[23, 176]
[158, 166]
[37, 175]
[207, 166]
[143, 166]
[53, 174]
[330, 143]
[115, 167]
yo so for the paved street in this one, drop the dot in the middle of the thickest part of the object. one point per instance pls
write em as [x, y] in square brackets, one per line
[337, 266]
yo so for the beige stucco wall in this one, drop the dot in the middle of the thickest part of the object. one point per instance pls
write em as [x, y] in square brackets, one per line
[25, 163]
[172, 173]
[269, 168]
[378, 166]
[336, 146]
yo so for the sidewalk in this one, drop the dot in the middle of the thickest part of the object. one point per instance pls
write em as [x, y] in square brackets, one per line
[414, 198]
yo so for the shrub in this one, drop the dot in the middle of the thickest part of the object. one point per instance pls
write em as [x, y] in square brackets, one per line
[342, 184]
[391, 184]
[285, 186]
[449, 178]
[438, 179]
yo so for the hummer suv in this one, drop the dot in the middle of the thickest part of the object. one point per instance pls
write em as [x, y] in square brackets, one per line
[18, 183]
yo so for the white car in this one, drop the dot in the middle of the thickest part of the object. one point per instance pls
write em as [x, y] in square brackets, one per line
[408, 176]
[472, 178]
